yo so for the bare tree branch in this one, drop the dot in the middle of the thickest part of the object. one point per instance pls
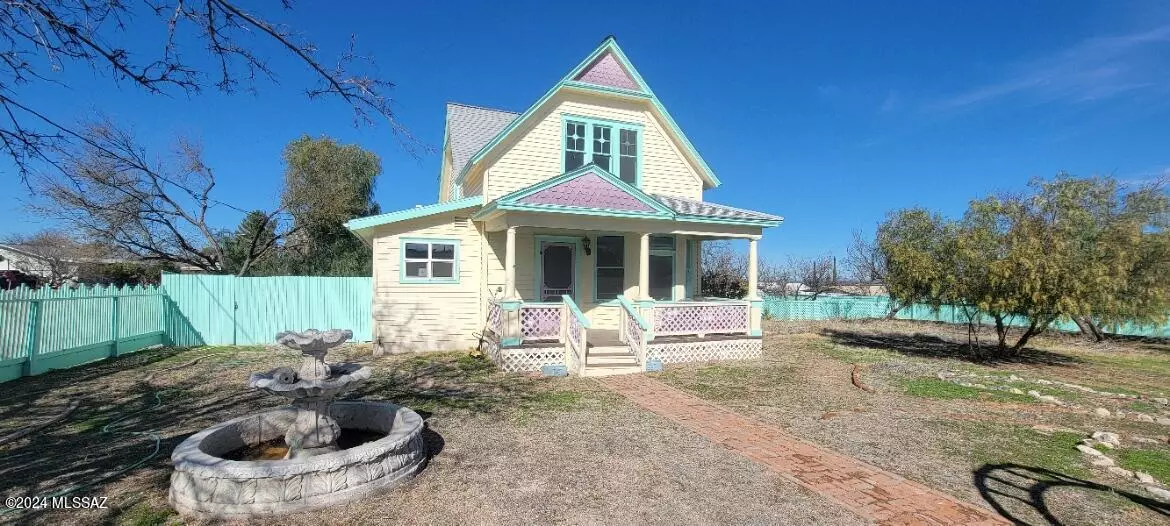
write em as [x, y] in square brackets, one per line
[40, 38]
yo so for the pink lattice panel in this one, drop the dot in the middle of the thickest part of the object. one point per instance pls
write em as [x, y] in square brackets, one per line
[540, 322]
[701, 318]
[495, 318]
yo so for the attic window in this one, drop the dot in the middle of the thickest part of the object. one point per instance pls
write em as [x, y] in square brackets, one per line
[592, 141]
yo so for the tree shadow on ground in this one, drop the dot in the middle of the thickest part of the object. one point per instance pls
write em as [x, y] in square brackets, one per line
[1006, 486]
[930, 346]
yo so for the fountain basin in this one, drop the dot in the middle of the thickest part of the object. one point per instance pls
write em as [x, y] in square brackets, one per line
[205, 484]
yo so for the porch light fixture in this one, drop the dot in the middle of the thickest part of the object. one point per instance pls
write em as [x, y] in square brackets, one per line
[585, 245]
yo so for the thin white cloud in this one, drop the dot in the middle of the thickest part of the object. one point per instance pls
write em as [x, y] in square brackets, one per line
[1093, 69]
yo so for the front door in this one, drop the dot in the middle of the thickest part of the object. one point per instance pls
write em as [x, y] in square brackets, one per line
[556, 270]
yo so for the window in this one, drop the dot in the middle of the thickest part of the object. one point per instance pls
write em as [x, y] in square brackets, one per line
[592, 142]
[610, 279]
[662, 268]
[628, 158]
[602, 147]
[429, 261]
[574, 145]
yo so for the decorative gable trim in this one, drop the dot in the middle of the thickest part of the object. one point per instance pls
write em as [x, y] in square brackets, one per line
[610, 48]
[607, 71]
[588, 190]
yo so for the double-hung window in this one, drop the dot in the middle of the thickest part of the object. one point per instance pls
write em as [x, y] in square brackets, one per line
[429, 261]
[594, 142]
[610, 278]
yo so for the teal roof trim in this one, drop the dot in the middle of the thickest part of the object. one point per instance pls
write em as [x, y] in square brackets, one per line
[362, 223]
[609, 44]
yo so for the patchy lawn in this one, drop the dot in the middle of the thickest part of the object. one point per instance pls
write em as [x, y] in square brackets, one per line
[506, 448]
[966, 426]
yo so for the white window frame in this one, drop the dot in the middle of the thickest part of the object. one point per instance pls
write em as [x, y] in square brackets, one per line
[403, 277]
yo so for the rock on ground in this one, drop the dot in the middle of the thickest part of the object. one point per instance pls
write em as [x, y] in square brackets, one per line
[1089, 451]
[1145, 478]
[1161, 493]
[1105, 437]
[1120, 472]
[1101, 412]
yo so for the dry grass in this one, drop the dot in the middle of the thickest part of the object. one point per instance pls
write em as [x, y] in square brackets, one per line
[980, 447]
[508, 448]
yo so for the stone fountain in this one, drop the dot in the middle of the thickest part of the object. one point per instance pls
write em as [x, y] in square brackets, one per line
[219, 474]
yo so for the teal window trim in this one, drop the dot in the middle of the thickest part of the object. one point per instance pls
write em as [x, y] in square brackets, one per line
[624, 267]
[616, 128]
[402, 260]
[673, 253]
[538, 264]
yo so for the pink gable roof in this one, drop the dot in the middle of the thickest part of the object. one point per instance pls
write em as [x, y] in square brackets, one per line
[587, 191]
[607, 72]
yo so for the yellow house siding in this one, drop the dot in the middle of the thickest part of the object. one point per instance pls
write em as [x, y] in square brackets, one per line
[427, 316]
[534, 153]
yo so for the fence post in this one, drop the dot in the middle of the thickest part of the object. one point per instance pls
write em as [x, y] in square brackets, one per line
[114, 327]
[30, 339]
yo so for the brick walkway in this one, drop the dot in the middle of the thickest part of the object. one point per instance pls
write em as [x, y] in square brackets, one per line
[866, 490]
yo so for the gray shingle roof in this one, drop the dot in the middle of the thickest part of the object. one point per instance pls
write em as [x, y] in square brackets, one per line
[469, 128]
[688, 207]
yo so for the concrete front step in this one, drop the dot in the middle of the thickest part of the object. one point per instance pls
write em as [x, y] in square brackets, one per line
[610, 370]
[610, 360]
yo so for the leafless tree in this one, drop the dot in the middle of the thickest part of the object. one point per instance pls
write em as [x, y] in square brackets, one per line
[203, 43]
[864, 260]
[815, 275]
[156, 209]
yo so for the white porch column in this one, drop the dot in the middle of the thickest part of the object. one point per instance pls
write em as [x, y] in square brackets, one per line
[644, 268]
[679, 286]
[510, 265]
[753, 269]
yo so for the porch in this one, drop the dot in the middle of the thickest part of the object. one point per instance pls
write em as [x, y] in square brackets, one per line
[595, 303]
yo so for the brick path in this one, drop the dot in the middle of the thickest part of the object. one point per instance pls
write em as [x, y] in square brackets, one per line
[866, 490]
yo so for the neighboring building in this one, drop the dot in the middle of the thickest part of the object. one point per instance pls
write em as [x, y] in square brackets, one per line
[56, 265]
[593, 194]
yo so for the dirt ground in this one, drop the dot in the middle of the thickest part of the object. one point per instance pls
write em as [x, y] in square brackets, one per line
[985, 444]
[506, 448]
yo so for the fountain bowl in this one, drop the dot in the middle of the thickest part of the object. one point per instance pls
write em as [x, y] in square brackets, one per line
[207, 485]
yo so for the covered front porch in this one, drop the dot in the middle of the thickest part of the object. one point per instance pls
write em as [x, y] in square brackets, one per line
[585, 272]
[611, 301]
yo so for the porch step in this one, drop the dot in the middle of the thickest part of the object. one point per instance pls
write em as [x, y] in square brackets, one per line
[610, 370]
[610, 356]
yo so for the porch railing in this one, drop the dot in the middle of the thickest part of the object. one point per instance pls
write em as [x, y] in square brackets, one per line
[576, 325]
[633, 330]
[540, 321]
[702, 318]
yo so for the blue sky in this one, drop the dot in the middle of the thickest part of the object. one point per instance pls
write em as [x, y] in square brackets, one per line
[828, 113]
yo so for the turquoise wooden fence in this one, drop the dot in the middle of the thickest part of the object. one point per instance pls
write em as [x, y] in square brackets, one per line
[226, 310]
[46, 329]
[855, 308]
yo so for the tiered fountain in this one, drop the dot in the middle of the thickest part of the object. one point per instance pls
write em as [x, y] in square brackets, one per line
[315, 453]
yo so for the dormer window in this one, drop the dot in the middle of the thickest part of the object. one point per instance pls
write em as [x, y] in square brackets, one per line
[589, 141]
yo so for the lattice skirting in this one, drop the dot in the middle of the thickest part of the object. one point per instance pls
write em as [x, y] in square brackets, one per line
[529, 359]
[679, 352]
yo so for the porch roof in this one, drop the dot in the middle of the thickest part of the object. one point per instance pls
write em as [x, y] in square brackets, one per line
[687, 207]
[591, 190]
